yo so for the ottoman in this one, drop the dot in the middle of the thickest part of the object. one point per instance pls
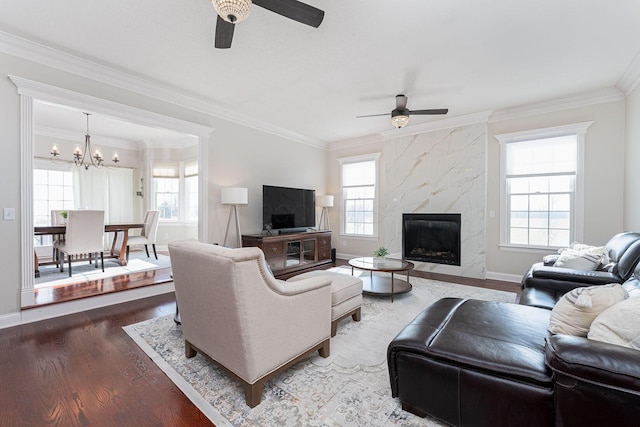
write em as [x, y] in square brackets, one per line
[471, 362]
[346, 295]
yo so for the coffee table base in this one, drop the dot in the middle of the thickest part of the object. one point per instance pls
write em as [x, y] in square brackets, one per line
[382, 285]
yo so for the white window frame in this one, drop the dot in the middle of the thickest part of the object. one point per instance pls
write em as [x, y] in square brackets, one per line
[577, 231]
[181, 190]
[375, 157]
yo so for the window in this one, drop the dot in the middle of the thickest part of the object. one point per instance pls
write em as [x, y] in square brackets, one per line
[541, 187]
[191, 191]
[359, 202]
[176, 190]
[52, 190]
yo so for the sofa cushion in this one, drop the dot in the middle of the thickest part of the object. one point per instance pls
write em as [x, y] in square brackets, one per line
[579, 260]
[618, 324]
[575, 311]
[343, 286]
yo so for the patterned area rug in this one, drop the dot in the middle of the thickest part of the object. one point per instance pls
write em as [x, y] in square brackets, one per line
[349, 388]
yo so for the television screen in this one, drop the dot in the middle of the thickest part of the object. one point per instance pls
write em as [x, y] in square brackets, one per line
[287, 208]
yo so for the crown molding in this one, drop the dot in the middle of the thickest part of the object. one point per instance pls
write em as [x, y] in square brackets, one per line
[631, 77]
[584, 99]
[45, 55]
[48, 93]
[448, 123]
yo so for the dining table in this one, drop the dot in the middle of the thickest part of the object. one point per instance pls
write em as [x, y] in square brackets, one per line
[118, 246]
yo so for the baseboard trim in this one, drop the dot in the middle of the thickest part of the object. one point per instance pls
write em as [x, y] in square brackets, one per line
[9, 320]
[492, 275]
[36, 314]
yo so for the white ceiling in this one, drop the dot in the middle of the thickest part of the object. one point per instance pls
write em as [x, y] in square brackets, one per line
[465, 55]
[71, 123]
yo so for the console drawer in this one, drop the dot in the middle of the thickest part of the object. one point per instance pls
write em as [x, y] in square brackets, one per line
[273, 249]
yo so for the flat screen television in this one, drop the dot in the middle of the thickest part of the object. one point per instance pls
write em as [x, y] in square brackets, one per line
[288, 209]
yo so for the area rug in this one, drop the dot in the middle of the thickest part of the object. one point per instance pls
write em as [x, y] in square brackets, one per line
[50, 275]
[349, 388]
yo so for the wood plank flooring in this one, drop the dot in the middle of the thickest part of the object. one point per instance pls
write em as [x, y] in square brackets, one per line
[84, 370]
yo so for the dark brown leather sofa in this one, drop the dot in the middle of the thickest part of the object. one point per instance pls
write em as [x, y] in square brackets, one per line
[623, 250]
[478, 363]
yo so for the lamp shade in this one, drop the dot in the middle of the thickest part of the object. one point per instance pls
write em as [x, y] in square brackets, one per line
[325, 201]
[234, 196]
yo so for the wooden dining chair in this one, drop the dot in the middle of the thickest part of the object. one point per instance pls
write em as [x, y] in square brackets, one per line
[148, 234]
[84, 235]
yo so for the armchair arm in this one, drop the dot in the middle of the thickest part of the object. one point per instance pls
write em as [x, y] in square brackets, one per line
[563, 280]
[299, 286]
[606, 365]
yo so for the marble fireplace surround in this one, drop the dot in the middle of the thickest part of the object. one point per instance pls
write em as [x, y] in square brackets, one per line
[442, 171]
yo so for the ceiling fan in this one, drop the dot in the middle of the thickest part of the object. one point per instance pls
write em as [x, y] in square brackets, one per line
[231, 12]
[400, 116]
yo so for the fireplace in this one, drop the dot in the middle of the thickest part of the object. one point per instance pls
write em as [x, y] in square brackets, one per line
[430, 237]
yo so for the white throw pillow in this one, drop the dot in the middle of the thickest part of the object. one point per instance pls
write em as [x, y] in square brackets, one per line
[578, 260]
[576, 310]
[618, 324]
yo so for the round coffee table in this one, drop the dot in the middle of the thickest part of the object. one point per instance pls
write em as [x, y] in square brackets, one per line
[383, 285]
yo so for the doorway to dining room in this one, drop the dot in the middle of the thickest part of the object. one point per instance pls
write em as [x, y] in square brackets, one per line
[138, 154]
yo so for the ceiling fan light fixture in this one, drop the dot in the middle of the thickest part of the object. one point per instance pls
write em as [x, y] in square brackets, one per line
[233, 11]
[399, 118]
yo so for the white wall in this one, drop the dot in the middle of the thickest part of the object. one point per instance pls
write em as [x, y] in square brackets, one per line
[250, 158]
[632, 157]
[237, 156]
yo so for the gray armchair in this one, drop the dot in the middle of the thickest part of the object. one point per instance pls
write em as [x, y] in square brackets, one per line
[234, 311]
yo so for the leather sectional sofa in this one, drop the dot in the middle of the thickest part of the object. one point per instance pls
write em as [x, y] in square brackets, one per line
[546, 283]
[470, 362]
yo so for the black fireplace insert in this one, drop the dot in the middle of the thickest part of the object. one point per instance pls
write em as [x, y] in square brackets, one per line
[431, 237]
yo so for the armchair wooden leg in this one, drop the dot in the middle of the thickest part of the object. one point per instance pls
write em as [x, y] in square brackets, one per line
[61, 261]
[189, 351]
[69, 258]
[324, 351]
[253, 393]
[101, 260]
[127, 253]
[146, 248]
[153, 245]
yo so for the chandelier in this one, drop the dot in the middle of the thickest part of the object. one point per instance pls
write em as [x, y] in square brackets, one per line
[233, 11]
[87, 157]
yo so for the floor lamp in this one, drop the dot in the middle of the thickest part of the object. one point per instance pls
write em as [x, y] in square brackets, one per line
[324, 202]
[234, 196]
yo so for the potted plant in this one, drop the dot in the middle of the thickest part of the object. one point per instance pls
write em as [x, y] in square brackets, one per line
[380, 253]
[64, 215]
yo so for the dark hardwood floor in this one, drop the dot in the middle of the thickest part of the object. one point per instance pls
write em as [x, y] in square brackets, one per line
[84, 370]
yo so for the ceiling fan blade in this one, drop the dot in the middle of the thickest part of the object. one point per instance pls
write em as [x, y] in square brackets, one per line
[224, 33]
[293, 9]
[374, 115]
[429, 112]
[401, 102]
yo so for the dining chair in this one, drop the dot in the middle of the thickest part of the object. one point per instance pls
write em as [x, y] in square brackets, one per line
[84, 235]
[57, 219]
[148, 234]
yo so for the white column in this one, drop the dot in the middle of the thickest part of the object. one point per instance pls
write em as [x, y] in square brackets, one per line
[26, 205]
